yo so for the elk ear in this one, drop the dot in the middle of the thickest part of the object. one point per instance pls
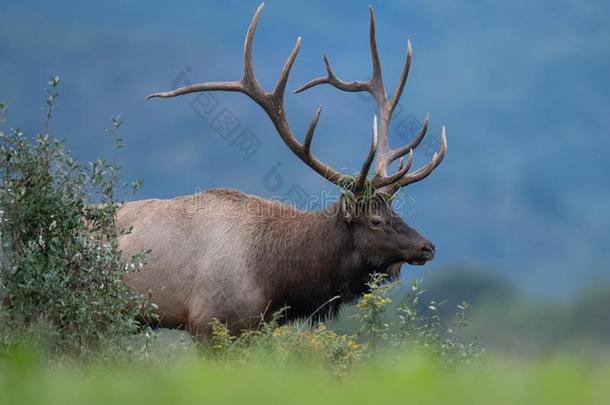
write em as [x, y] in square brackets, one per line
[346, 210]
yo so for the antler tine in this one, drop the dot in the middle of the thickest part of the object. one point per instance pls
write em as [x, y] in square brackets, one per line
[310, 132]
[383, 181]
[423, 172]
[280, 87]
[403, 150]
[209, 86]
[366, 166]
[403, 79]
[272, 103]
[332, 79]
[377, 87]
[388, 155]
[390, 184]
[249, 78]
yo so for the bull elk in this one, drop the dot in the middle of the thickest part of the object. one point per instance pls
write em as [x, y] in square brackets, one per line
[236, 257]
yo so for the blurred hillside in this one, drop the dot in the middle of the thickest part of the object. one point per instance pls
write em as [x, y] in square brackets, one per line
[522, 88]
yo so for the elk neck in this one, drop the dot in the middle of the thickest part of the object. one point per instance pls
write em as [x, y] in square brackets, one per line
[314, 261]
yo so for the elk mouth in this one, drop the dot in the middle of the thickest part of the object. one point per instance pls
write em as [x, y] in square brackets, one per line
[394, 268]
[421, 259]
[418, 261]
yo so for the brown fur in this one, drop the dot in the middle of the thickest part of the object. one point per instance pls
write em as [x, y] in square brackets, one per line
[227, 255]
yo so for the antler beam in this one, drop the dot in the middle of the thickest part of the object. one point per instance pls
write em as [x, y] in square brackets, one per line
[385, 155]
[272, 103]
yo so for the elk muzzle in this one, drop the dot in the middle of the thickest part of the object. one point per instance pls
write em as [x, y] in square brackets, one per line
[423, 252]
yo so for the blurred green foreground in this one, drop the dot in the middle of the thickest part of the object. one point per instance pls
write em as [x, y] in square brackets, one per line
[396, 379]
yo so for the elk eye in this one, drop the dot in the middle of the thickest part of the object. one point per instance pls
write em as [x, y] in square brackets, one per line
[376, 222]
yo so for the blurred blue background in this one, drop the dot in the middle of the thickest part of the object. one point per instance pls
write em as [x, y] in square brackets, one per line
[522, 87]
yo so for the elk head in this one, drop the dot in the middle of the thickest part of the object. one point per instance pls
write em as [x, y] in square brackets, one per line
[379, 235]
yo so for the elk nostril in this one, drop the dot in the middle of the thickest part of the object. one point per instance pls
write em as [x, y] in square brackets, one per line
[428, 250]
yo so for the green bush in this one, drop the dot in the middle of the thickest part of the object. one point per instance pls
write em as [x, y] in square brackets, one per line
[62, 270]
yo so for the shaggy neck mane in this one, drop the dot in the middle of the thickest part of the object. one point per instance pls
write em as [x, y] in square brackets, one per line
[322, 263]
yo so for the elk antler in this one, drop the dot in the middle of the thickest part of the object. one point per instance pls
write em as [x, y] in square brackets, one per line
[273, 104]
[385, 155]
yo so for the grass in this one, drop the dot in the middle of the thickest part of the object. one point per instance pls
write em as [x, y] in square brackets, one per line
[404, 378]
